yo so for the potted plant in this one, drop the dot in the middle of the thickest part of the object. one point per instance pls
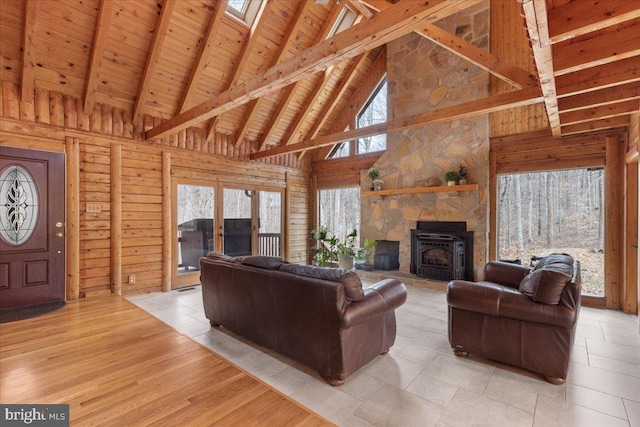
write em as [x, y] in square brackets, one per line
[347, 251]
[324, 251]
[374, 175]
[462, 175]
[451, 177]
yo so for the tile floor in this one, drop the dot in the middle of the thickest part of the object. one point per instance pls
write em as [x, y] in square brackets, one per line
[421, 383]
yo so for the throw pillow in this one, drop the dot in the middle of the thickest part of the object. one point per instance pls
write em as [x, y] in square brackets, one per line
[349, 279]
[547, 280]
[261, 261]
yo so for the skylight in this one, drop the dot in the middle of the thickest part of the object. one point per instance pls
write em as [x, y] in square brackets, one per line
[238, 7]
[244, 10]
[344, 21]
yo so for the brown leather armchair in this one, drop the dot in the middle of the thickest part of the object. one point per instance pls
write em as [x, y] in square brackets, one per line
[519, 315]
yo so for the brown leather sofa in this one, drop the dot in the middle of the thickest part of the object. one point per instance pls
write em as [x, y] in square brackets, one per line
[518, 315]
[320, 317]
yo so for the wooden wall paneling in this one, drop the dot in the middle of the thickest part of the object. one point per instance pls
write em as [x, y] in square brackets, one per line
[142, 166]
[116, 219]
[614, 178]
[73, 218]
[167, 226]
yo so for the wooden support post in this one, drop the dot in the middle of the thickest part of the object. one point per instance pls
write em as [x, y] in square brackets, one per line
[614, 177]
[116, 219]
[73, 218]
[630, 291]
[167, 235]
[493, 208]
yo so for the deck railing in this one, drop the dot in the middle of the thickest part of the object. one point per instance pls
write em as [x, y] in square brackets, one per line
[269, 244]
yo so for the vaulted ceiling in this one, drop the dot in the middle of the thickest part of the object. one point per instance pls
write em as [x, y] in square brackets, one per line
[278, 83]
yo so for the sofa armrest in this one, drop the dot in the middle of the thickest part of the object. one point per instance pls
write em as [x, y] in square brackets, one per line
[505, 273]
[495, 300]
[380, 298]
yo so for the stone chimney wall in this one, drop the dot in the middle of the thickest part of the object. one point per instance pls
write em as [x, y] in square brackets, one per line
[423, 76]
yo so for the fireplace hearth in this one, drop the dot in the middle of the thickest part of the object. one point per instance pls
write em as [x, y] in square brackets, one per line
[442, 250]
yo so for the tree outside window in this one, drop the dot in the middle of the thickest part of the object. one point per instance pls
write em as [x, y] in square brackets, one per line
[374, 112]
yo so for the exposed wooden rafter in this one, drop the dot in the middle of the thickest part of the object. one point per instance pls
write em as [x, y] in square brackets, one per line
[467, 109]
[310, 103]
[622, 42]
[289, 40]
[153, 57]
[245, 54]
[388, 25]
[581, 17]
[29, 50]
[337, 94]
[97, 53]
[603, 76]
[602, 112]
[289, 92]
[535, 12]
[600, 97]
[203, 54]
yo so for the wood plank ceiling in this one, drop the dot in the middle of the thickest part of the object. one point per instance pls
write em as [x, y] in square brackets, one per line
[278, 83]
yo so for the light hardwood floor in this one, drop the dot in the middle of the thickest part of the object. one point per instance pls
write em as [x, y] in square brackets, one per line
[115, 364]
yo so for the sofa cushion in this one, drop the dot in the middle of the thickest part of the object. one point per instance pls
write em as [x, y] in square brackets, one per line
[261, 261]
[547, 280]
[350, 280]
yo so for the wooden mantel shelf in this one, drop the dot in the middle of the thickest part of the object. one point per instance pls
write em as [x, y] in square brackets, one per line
[416, 190]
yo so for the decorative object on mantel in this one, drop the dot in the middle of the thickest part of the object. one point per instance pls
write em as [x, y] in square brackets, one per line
[451, 177]
[462, 175]
[376, 182]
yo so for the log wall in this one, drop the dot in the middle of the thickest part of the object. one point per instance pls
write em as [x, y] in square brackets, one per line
[116, 188]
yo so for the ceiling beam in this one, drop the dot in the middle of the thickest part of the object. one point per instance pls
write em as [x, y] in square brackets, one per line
[581, 17]
[97, 53]
[591, 79]
[600, 97]
[153, 57]
[391, 24]
[601, 112]
[29, 50]
[535, 13]
[487, 61]
[604, 124]
[290, 39]
[203, 55]
[290, 92]
[621, 43]
[491, 104]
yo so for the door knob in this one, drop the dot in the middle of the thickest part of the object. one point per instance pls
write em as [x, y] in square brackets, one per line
[59, 234]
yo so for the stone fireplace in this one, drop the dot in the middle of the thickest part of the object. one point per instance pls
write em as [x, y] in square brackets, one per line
[422, 77]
